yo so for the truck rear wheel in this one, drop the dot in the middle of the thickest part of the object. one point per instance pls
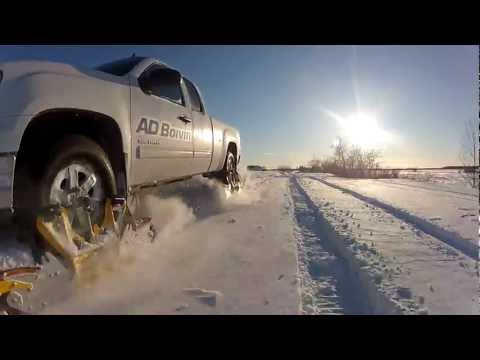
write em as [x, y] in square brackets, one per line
[229, 174]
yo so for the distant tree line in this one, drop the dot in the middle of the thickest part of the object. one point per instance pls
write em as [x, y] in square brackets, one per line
[256, 168]
[469, 152]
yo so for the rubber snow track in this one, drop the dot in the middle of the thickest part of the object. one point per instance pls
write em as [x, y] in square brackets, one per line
[331, 280]
[468, 248]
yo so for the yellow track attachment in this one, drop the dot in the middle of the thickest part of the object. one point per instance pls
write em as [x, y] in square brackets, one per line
[7, 286]
[55, 227]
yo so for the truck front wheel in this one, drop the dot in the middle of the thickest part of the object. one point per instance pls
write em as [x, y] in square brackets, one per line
[75, 168]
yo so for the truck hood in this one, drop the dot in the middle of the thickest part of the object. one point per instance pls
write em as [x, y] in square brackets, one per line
[33, 83]
[14, 70]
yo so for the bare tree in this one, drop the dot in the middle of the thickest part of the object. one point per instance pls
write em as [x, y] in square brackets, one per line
[340, 153]
[469, 151]
[371, 159]
[355, 158]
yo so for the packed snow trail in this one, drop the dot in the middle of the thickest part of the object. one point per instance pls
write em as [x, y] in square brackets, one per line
[453, 239]
[416, 271]
[331, 278]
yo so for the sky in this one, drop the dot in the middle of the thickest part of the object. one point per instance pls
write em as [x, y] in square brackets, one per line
[290, 103]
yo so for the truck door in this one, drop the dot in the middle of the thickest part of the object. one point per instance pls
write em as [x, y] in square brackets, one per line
[162, 136]
[202, 129]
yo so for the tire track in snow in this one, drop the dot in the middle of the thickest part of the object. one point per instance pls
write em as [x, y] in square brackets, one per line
[448, 237]
[331, 279]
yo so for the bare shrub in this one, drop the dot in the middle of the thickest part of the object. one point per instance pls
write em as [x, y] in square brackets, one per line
[353, 162]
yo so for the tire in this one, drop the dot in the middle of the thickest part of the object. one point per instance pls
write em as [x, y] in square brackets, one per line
[73, 152]
[229, 174]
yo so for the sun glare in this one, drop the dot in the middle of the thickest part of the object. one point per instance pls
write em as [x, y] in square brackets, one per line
[362, 129]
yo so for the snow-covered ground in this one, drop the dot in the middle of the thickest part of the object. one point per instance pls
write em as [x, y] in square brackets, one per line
[417, 273]
[212, 255]
[450, 210]
[439, 176]
[289, 243]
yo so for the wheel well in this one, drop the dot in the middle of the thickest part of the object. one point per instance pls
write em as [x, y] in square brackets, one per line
[48, 127]
[233, 148]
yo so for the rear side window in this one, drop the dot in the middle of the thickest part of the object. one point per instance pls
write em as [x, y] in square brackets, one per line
[193, 95]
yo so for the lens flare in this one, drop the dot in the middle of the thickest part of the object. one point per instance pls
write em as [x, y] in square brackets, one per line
[362, 129]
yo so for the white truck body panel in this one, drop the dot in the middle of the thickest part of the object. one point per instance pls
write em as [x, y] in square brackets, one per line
[30, 88]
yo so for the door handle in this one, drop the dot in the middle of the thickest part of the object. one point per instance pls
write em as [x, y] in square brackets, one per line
[185, 119]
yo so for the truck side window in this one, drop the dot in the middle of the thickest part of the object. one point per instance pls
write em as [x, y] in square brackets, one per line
[162, 82]
[193, 95]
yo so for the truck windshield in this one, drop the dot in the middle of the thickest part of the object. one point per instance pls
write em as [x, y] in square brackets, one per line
[120, 67]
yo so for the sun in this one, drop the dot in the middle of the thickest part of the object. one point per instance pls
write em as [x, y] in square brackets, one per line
[363, 129]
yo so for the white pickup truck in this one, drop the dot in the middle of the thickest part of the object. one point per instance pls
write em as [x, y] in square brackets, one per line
[68, 132]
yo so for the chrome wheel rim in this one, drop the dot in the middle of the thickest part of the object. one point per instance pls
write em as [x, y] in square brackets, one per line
[231, 173]
[75, 181]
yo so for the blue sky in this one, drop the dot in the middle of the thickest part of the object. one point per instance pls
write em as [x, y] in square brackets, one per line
[280, 96]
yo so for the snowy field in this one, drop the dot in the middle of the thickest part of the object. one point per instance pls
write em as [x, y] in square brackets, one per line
[440, 176]
[450, 207]
[289, 243]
